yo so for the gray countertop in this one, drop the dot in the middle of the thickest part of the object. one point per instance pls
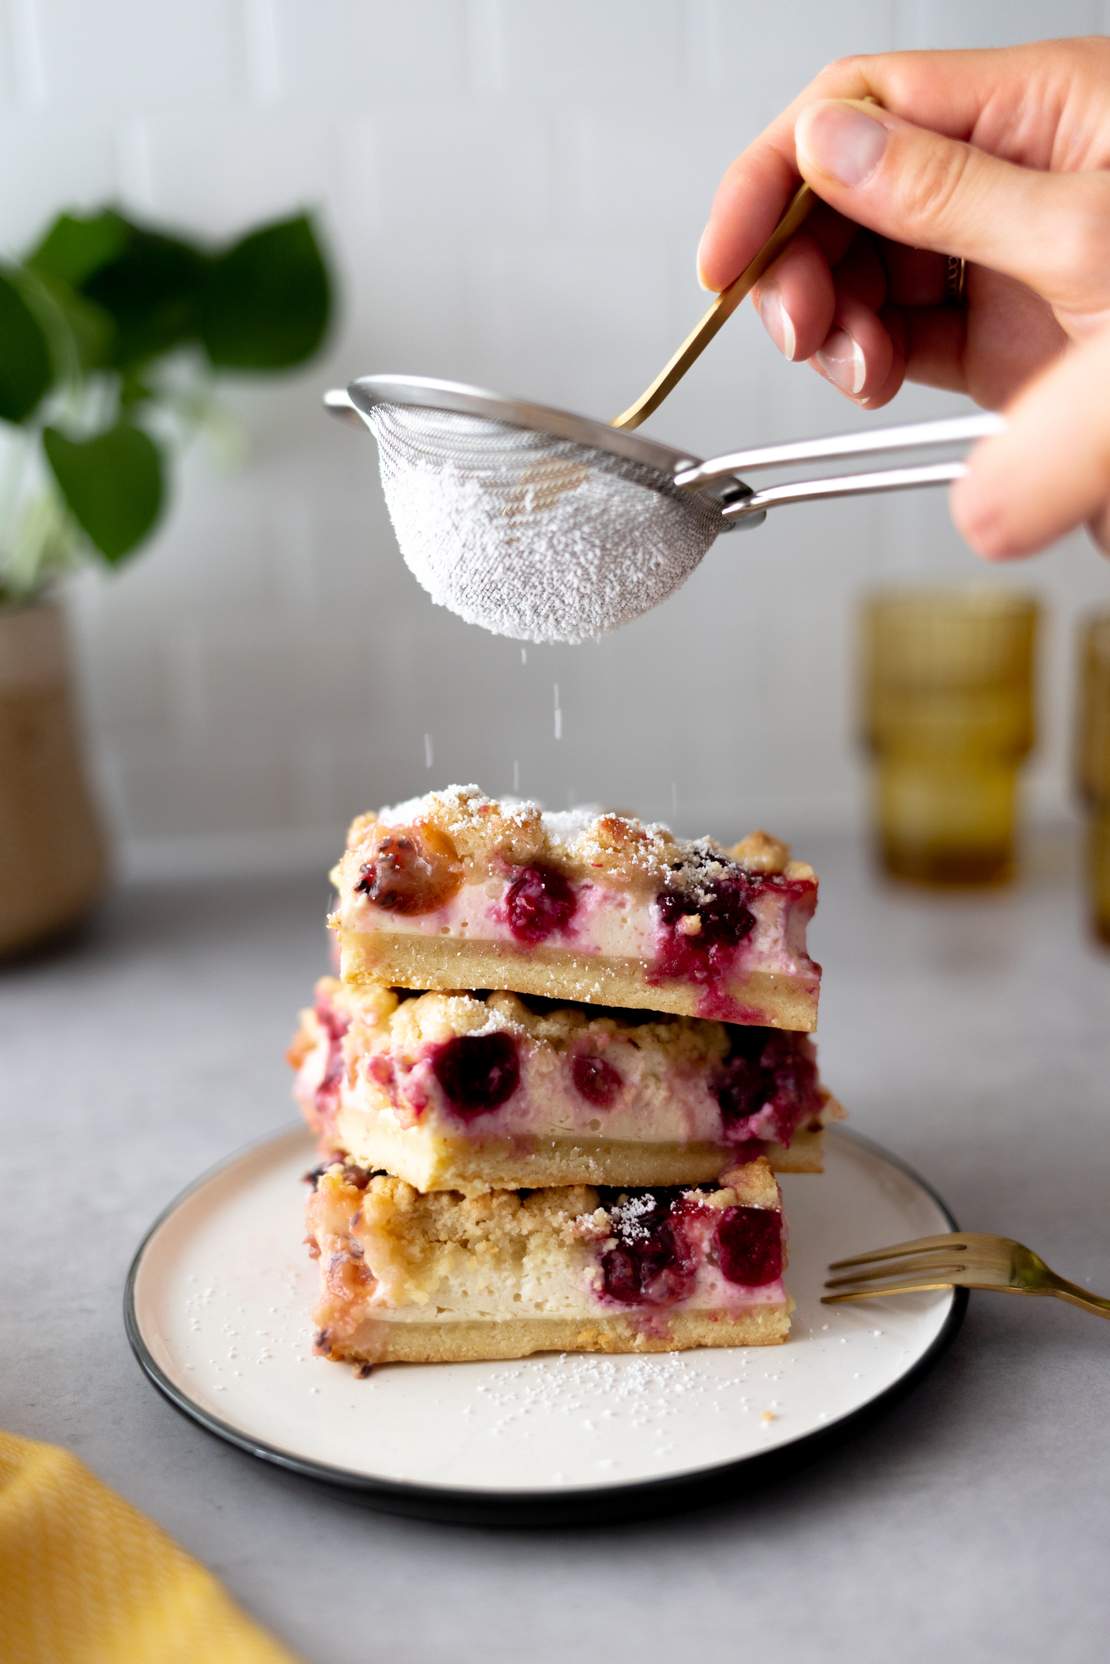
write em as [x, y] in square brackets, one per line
[972, 1036]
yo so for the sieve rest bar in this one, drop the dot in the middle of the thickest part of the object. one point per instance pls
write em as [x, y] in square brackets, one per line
[910, 436]
[843, 485]
[337, 402]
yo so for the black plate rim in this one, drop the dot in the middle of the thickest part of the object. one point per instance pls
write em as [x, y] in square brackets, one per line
[475, 1505]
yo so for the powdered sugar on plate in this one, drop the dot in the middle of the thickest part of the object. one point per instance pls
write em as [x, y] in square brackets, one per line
[226, 1272]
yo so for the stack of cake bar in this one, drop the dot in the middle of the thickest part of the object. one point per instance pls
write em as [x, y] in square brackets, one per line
[563, 1060]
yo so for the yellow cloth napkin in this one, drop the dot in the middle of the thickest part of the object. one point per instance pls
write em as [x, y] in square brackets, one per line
[86, 1579]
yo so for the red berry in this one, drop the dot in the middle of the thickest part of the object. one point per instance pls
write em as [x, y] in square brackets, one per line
[538, 902]
[749, 1246]
[597, 1081]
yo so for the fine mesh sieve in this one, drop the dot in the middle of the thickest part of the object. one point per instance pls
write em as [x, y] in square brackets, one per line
[546, 526]
[510, 527]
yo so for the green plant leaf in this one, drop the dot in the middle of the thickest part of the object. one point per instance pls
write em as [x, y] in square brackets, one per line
[152, 291]
[80, 334]
[135, 389]
[267, 301]
[25, 367]
[112, 485]
[77, 245]
[144, 283]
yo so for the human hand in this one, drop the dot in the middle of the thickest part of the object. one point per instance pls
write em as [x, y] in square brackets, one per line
[998, 157]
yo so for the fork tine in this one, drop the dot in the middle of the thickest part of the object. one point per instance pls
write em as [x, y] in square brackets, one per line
[952, 1240]
[967, 1276]
[847, 1296]
[919, 1268]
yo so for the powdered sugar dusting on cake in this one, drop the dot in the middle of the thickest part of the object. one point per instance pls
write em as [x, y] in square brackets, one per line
[428, 803]
[599, 839]
[566, 826]
[631, 1216]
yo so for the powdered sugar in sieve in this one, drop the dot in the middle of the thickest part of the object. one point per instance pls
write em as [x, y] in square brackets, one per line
[531, 535]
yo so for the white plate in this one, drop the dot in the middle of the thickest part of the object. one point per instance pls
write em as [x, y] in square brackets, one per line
[217, 1310]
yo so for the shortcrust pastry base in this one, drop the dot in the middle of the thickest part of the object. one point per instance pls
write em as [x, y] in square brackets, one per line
[473, 1165]
[770, 999]
[385, 1341]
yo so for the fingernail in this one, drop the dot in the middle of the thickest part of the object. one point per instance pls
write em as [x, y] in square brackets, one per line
[981, 524]
[840, 141]
[702, 284]
[841, 358]
[777, 322]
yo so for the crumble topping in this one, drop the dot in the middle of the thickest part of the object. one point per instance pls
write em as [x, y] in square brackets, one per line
[407, 1020]
[760, 852]
[386, 1209]
[590, 841]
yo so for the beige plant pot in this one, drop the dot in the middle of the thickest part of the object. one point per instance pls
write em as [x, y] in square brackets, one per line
[52, 852]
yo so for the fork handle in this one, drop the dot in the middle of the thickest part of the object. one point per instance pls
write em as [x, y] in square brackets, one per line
[1075, 1295]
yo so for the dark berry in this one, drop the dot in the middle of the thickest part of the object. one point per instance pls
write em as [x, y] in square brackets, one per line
[597, 1081]
[749, 1246]
[766, 1069]
[651, 1262]
[539, 901]
[477, 1072]
[411, 872]
[738, 1086]
[721, 919]
[725, 916]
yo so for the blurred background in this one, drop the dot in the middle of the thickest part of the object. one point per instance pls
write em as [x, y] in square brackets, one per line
[509, 192]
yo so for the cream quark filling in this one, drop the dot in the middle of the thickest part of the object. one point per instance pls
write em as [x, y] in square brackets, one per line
[608, 923]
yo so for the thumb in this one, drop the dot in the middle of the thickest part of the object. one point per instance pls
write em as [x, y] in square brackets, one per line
[1049, 469]
[1049, 231]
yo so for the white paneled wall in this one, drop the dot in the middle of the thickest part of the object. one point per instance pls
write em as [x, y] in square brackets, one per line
[513, 190]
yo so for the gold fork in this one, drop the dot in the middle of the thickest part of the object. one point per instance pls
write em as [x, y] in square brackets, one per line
[961, 1259]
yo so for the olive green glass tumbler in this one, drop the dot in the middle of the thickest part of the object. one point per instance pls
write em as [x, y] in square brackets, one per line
[1093, 763]
[947, 703]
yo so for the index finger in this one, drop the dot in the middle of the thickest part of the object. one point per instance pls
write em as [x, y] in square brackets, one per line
[944, 91]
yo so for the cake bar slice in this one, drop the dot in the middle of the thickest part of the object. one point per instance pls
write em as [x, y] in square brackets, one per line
[473, 1092]
[411, 1278]
[456, 890]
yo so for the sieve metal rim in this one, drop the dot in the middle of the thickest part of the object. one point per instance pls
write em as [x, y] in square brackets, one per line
[458, 397]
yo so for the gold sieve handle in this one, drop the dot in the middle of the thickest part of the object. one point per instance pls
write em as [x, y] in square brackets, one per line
[721, 310]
